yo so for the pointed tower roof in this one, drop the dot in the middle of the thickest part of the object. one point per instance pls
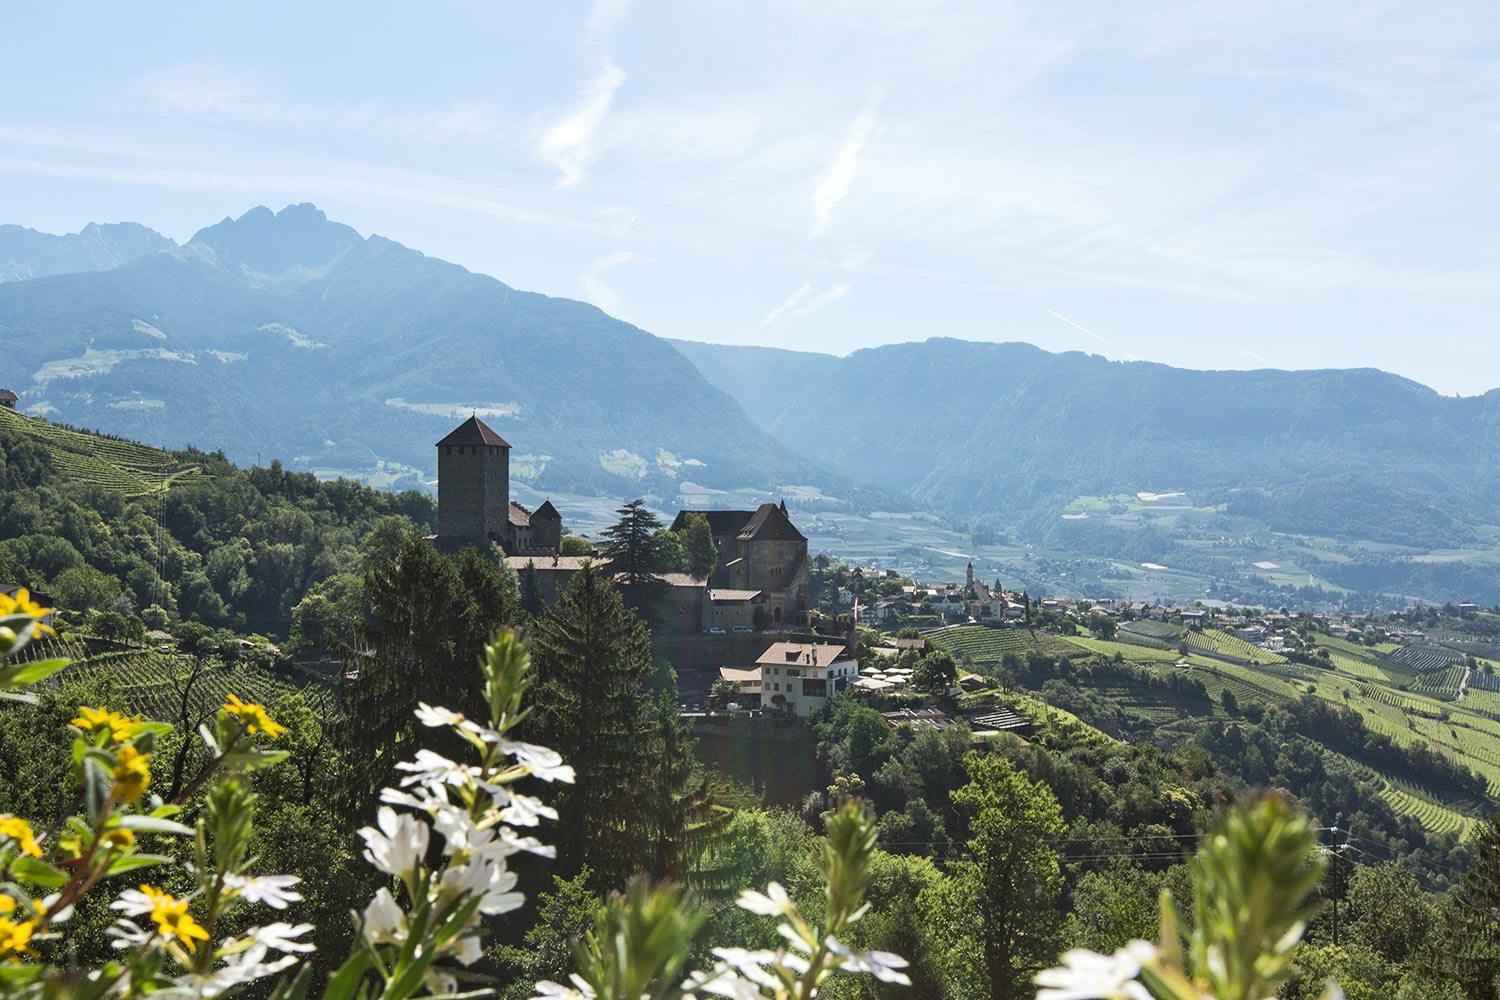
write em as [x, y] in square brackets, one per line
[546, 512]
[473, 431]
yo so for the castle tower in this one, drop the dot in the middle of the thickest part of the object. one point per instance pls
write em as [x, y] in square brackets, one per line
[546, 527]
[969, 582]
[473, 487]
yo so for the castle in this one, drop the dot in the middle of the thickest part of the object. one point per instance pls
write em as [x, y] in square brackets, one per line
[474, 504]
[760, 582]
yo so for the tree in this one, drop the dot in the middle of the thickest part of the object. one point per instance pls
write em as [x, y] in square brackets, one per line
[698, 541]
[572, 545]
[1011, 872]
[563, 916]
[667, 552]
[593, 657]
[531, 590]
[630, 544]
[936, 672]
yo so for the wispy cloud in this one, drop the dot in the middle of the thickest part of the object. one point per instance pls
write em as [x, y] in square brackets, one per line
[570, 144]
[839, 177]
[791, 303]
[803, 303]
[601, 294]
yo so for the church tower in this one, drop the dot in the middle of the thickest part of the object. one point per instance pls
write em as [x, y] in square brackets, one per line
[969, 582]
[473, 487]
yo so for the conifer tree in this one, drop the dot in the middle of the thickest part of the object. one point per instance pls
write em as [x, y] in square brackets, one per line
[630, 546]
[593, 657]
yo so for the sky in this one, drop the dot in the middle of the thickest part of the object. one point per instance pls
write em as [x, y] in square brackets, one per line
[1203, 184]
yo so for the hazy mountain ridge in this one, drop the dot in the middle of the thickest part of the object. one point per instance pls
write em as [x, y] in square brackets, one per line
[288, 335]
[26, 253]
[1010, 432]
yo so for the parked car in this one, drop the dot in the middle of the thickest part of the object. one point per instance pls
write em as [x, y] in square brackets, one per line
[743, 630]
[716, 631]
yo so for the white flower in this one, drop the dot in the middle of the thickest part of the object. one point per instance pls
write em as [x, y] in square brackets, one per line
[524, 810]
[469, 950]
[430, 716]
[421, 798]
[133, 903]
[434, 769]
[1087, 975]
[776, 903]
[282, 936]
[883, 965]
[724, 982]
[539, 761]
[385, 922]
[487, 879]
[61, 915]
[272, 890]
[239, 968]
[398, 846]
[749, 964]
[548, 990]
[128, 934]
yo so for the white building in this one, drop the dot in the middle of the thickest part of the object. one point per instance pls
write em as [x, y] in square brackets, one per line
[801, 677]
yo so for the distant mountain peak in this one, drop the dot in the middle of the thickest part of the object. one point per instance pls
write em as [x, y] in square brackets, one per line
[26, 253]
[299, 239]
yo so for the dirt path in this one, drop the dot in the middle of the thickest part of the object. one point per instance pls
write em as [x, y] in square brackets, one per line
[1463, 685]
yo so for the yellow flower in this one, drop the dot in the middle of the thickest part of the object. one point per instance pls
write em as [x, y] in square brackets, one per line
[19, 830]
[15, 938]
[132, 773]
[7, 905]
[119, 839]
[172, 918]
[100, 720]
[22, 604]
[254, 717]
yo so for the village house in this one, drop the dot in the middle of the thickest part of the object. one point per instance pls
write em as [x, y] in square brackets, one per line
[800, 678]
[8, 399]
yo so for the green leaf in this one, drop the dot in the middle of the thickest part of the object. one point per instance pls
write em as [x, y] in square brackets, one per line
[38, 873]
[22, 674]
[342, 984]
[165, 810]
[131, 862]
[155, 824]
[250, 760]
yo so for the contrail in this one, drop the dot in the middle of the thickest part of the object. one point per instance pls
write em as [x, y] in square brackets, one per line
[1091, 333]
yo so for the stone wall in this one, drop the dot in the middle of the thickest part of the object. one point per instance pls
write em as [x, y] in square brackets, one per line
[473, 495]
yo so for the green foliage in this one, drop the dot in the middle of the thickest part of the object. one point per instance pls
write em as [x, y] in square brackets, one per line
[698, 544]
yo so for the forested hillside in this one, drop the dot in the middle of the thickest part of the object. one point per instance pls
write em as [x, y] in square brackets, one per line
[108, 525]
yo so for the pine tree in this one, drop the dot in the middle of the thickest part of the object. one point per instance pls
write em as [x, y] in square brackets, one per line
[593, 657]
[688, 822]
[629, 544]
[531, 591]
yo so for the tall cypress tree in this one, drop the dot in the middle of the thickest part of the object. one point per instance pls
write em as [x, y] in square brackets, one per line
[630, 546]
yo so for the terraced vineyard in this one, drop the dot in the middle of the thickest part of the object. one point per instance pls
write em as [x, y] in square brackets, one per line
[1423, 659]
[147, 681]
[1441, 683]
[1160, 631]
[1223, 644]
[118, 466]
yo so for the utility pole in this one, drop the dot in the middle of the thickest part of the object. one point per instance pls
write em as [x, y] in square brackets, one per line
[1339, 865]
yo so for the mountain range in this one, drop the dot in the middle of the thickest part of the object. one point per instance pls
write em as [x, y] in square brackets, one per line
[1011, 433]
[287, 335]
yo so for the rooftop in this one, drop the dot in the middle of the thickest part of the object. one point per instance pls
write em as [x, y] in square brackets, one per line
[806, 654]
[473, 431]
